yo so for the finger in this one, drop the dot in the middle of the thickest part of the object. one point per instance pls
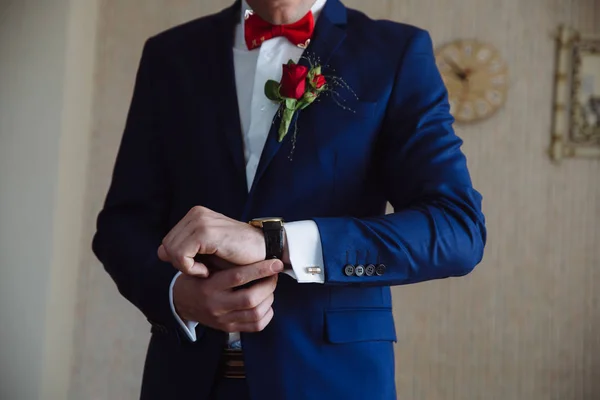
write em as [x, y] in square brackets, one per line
[188, 242]
[162, 254]
[253, 315]
[197, 268]
[240, 276]
[169, 252]
[255, 326]
[168, 240]
[183, 256]
[251, 297]
[215, 263]
[182, 240]
[183, 246]
[182, 261]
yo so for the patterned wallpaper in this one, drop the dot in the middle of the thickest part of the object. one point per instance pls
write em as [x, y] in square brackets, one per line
[525, 325]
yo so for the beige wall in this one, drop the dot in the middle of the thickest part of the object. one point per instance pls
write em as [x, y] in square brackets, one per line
[30, 130]
[525, 325]
[46, 63]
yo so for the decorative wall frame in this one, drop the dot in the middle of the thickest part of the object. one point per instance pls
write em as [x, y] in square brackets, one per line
[576, 125]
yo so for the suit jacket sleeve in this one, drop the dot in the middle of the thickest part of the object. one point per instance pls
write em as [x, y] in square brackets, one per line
[438, 229]
[134, 219]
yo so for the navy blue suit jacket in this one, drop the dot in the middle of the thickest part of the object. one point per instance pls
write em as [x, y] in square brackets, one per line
[183, 147]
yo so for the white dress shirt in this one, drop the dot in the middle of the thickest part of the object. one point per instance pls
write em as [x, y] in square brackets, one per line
[253, 68]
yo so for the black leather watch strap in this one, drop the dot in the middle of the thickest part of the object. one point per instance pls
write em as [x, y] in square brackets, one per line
[273, 231]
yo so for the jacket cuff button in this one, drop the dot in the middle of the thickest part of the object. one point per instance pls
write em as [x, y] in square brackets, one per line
[370, 270]
[359, 270]
[349, 270]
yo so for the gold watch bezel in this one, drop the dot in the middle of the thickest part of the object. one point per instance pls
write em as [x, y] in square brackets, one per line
[258, 222]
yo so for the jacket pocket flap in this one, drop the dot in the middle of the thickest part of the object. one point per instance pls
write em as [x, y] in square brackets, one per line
[359, 325]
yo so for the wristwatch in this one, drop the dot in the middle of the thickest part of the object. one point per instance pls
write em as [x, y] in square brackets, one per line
[273, 231]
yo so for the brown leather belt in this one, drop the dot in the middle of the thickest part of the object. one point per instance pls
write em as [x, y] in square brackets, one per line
[232, 364]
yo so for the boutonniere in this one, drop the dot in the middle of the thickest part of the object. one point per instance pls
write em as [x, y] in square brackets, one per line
[300, 86]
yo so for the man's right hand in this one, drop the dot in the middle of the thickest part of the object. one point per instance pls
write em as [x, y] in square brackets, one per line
[219, 302]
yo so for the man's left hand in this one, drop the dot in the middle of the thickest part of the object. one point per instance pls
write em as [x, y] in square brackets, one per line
[205, 232]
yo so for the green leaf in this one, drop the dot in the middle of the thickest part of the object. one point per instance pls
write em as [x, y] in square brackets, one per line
[291, 62]
[290, 104]
[316, 70]
[286, 121]
[272, 90]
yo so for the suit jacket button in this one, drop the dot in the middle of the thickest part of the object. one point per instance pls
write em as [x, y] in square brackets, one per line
[359, 270]
[370, 270]
[349, 270]
[380, 270]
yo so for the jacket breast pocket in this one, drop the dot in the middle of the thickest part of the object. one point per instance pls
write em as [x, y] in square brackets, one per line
[359, 325]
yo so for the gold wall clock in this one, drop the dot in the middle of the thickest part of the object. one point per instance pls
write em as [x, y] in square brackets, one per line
[476, 78]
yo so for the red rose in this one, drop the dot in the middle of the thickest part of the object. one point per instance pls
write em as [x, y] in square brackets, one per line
[319, 81]
[293, 82]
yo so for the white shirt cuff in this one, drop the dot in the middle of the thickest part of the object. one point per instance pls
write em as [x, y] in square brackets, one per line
[189, 327]
[306, 252]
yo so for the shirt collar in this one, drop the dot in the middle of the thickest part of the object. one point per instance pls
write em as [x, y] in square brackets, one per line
[316, 9]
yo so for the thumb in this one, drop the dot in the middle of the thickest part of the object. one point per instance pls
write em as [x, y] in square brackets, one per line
[243, 275]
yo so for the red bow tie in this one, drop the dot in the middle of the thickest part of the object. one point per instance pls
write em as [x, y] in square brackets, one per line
[257, 30]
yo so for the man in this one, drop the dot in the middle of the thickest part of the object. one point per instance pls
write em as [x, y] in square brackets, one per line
[201, 156]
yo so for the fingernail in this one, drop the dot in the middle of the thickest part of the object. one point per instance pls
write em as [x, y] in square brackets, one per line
[277, 266]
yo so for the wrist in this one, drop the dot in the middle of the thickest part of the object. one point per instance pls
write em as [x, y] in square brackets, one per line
[260, 244]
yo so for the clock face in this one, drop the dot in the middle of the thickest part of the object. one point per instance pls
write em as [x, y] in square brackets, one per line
[476, 78]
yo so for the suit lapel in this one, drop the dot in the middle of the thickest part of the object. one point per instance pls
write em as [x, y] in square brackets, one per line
[223, 72]
[330, 32]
